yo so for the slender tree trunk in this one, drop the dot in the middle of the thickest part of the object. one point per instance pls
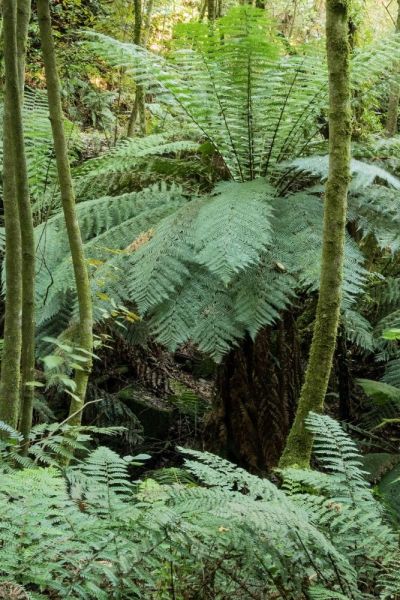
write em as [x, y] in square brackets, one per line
[68, 203]
[299, 443]
[28, 248]
[10, 365]
[394, 95]
[23, 19]
[203, 9]
[147, 23]
[211, 10]
[138, 109]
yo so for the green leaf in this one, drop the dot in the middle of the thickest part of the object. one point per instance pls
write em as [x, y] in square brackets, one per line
[52, 361]
[380, 392]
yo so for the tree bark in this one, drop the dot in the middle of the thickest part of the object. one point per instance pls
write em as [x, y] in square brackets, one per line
[138, 109]
[28, 247]
[257, 386]
[211, 10]
[68, 203]
[394, 95]
[299, 443]
[10, 365]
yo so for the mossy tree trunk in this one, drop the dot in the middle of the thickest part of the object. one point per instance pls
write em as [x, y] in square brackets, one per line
[394, 95]
[68, 203]
[139, 109]
[28, 246]
[299, 443]
[11, 360]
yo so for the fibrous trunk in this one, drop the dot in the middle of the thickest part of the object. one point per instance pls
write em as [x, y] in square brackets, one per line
[257, 386]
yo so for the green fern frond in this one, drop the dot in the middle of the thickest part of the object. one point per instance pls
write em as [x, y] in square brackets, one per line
[233, 228]
[363, 174]
[358, 329]
[104, 174]
[233, 89]
[337, 453]
[320, 593]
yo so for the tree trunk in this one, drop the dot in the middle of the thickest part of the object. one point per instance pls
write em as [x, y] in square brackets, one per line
[394, 95]
[299, 443]
[257, 386]
[28, 247]
[138, 109]
[211, 10]
[68, 204]
[10, 365]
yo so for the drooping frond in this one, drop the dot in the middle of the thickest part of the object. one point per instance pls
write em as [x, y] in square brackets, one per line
[358, 329]
[109, 226]
[297, 245]
[233, 228]
[363, 174]
[106, 174]
[254, 109]
[376, 211]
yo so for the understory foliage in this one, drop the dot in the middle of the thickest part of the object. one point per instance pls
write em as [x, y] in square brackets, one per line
[89, 532]
[215, 267]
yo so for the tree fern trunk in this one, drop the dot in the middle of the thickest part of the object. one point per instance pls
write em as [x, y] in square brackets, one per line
[28, 247]
[68, 203]
[299, 443]
[10, 365]
[257, 385]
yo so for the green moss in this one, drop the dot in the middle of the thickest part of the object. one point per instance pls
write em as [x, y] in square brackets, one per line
[299, 443]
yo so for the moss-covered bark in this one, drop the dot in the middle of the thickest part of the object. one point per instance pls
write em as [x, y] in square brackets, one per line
[68, 204]
[138, 110]
[10, 365]
[299, 443]
[23, 19]
[28, 246]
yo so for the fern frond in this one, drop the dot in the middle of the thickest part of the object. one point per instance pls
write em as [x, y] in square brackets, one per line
[233, 228]
[104, 174]
[337, 453]
[363, 174]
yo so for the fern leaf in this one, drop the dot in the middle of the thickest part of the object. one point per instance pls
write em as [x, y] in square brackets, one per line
[233, 228]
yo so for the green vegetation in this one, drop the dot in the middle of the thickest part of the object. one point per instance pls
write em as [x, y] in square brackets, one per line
[200, 324]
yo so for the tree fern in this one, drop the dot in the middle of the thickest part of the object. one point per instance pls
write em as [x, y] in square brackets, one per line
[255, 107]
[236, 92]
[190, 272]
